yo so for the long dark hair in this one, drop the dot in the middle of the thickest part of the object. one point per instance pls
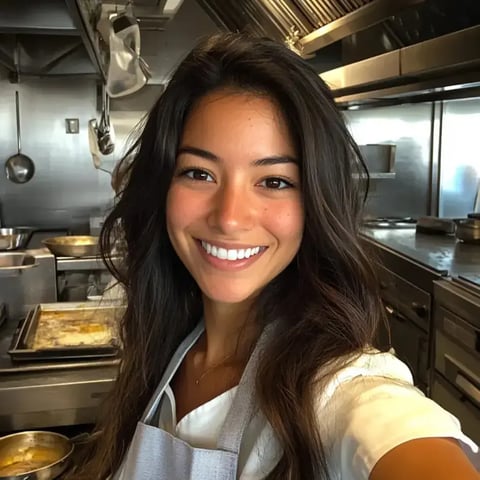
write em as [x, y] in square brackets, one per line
[326, 301]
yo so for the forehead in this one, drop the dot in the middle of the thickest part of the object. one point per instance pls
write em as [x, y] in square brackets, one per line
[238, 122]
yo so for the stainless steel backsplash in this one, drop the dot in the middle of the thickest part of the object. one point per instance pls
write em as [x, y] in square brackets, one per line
[423, 148]
[66, 189]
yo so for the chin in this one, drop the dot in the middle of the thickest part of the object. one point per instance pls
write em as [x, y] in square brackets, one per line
[228, 295]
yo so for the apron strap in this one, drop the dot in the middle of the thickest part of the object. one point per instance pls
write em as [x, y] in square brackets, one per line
[172, 367]
[244, 402]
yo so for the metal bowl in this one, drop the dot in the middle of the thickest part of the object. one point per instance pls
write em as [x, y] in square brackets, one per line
[13, 238]
[34, 455]
[73, 246]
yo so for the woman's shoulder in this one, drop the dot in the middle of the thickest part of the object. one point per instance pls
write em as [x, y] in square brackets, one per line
[368, 365]
[369, 405]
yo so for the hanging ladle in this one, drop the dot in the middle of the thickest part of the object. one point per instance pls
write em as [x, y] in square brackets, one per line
[19, 167]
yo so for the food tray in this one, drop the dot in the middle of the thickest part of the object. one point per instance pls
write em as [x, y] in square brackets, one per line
[57, 331]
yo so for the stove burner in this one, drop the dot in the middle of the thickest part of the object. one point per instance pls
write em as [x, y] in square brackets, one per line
[390, 222]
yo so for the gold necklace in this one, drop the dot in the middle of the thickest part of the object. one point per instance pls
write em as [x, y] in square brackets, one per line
[213, 367]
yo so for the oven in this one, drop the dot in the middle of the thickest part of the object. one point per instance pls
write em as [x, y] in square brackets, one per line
[456, 383]
[408, 332]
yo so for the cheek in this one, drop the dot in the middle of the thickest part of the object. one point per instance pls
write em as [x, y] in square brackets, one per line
[179, 207]
[285, 221]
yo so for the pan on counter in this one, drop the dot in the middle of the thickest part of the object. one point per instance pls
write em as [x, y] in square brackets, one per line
[73, 246]
[37, 455]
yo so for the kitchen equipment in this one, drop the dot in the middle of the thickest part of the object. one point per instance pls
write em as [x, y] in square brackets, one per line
[19, 167]
[468, 230]
[34, 455]
[15, 261]
[408, 331]
[67, 330]
[127, 70]
[435, 225]
[456, 351]
[73, 246]
[37, 455]
[105, 129]
[93, 145]
[13, 238]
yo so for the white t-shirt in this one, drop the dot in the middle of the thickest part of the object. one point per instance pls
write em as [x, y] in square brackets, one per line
[366, 409]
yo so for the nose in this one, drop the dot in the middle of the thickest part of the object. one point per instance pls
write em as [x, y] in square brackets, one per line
[233, 210]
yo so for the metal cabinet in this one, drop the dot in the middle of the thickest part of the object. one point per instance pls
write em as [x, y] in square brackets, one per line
[408, 329]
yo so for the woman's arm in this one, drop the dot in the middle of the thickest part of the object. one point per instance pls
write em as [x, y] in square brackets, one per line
[425, 458]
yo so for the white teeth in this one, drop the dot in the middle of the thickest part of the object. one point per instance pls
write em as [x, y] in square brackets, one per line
[231, 254]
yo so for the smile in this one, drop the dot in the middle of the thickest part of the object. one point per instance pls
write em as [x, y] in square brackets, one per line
[231, 254]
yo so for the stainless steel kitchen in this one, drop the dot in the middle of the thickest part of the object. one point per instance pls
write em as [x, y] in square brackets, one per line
[405, 75]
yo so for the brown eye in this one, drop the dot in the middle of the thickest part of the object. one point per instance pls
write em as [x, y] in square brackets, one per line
[275, 183]
[197, 174]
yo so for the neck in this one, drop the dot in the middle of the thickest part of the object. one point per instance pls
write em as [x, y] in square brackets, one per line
[230, 331]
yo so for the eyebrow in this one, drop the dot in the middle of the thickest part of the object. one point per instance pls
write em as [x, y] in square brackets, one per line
[261, 162]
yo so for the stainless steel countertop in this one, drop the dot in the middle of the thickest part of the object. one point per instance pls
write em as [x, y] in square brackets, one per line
[442, 253]
[39, 399]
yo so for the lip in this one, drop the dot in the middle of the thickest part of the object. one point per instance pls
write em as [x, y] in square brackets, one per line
[228, 265]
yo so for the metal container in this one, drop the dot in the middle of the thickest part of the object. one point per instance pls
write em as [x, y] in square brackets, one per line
[13, 238]
[55, 319]
[73, 246]
[34, 455]
[12, 263]
[468, 230]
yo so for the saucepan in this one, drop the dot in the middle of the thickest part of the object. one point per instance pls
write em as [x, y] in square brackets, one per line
[468, 230]
[37, 455]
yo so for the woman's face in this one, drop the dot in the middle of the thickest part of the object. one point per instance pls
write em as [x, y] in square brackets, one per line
[234, 210]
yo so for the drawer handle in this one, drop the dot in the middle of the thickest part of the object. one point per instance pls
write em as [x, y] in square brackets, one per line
[468, 387]
[419, 309]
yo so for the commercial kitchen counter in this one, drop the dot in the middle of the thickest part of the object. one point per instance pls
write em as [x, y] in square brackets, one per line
[49, 398]
[431, 256]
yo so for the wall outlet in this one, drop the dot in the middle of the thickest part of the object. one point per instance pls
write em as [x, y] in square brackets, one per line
[72, 125]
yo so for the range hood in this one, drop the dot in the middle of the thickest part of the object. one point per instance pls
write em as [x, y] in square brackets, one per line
[59, 37]
[371, 51]
[444, 67]
[49, 37]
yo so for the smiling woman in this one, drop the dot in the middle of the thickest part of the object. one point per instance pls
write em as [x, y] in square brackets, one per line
[251, 303]
[234, 208]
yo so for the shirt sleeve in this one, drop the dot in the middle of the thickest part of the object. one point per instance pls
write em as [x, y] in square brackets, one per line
[370, 407]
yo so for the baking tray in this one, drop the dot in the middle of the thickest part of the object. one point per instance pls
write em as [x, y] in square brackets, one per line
[23, 342]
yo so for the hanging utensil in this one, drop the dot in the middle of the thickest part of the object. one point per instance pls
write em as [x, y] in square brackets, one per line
[93, 144]
[19, 167]
[105, 130]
